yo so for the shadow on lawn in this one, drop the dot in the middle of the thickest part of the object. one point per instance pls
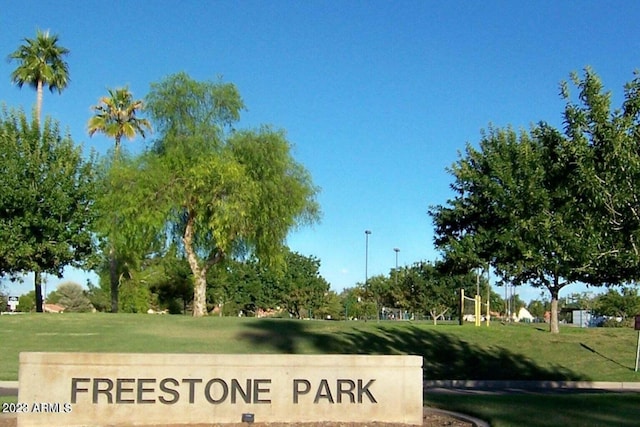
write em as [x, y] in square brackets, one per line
[444, 355]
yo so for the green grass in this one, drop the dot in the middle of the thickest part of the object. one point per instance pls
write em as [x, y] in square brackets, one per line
[511, 352]
[546, 410]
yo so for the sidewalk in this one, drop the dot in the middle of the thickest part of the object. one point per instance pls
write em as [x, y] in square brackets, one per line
[8, 388]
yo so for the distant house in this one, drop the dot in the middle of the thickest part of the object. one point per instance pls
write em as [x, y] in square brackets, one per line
[53, 308]
[524, 316]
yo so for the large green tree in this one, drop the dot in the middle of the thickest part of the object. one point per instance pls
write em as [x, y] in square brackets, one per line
[116, 116]
[624, 304]
[603, 144]
[218, 192]
[41, 63]
[550, 208]
[47, 193]
[304, 290]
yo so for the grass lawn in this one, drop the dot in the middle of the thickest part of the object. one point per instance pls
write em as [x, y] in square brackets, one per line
[499, 352]
[542, 410]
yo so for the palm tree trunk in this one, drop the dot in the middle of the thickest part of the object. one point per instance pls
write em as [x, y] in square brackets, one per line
[39, 101]
[116, 153]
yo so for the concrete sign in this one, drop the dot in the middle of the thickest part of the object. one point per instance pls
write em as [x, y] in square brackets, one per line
[111, 389]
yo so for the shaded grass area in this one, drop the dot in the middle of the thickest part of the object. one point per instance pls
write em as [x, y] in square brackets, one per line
[445, 355]
[545, 410]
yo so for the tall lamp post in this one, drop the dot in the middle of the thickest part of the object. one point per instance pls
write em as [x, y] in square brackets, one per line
[366, 257]
[396, 250]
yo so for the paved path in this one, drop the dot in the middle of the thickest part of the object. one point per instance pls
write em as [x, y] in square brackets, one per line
[8, 388]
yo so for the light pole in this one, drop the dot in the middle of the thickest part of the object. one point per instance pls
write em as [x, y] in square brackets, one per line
[396, 250]
[366, 257]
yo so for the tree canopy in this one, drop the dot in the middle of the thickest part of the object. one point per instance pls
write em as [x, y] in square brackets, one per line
[47, 193]
[550, 208]
[41, 63]
[116, 116]
[219, 192]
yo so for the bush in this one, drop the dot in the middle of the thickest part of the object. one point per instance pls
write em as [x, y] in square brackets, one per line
[612, 322]
[72, 297]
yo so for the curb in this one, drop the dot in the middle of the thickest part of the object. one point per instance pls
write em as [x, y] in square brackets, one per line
[462, 417]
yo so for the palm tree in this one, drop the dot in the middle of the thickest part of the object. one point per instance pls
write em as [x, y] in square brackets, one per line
[115, 116]
[40, 63]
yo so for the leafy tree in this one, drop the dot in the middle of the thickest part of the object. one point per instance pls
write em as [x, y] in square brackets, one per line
[378, 292]
[46, 199]
[604, 146]
[72, 297]
[430, 290]
[124, 247]
[219, 193]
[116, 117]
[511, 212]
[27, 302]
[352, 303]
[174, 286]
[623, 304]
[548, 208]
[303, 286]
[135, 297]
[4, 298]
[41, 63]
[331, 309]
[497, 304]
[98, 297]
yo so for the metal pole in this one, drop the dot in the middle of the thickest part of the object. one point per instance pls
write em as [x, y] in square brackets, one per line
[366, 260]
[396, 251]
[366, 257]
[638, 351]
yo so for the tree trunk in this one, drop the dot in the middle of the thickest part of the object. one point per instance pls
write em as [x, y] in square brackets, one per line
[37, 279]
[39, 101]
[554, 328]
[199, 291]
[114, 279]
[199, 274]
[116, 151]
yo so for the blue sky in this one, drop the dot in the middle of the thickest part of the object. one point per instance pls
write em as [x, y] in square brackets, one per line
[377, 96]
